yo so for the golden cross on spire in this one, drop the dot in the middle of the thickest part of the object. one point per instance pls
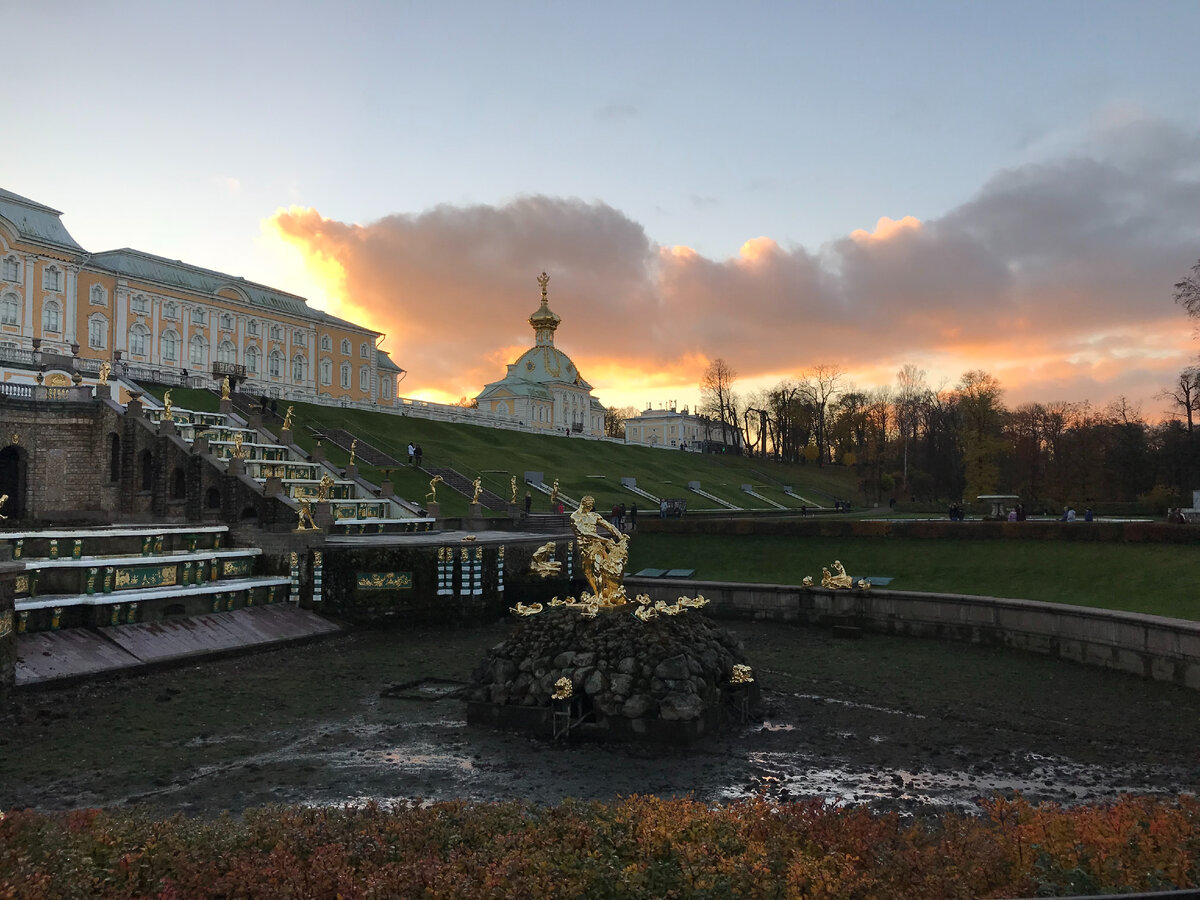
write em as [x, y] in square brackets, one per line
[543, 280]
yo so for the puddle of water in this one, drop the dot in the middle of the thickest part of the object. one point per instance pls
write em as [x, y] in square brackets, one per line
[819, 698]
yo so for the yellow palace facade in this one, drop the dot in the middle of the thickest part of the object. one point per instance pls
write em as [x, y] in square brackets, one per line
[157, 317]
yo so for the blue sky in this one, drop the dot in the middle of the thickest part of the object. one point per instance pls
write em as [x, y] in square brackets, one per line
[181, 129]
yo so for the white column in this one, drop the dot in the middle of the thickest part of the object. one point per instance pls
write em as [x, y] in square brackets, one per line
[69, 311]
[121, 317]
[155, 313]
[185, 359]
[30, 267]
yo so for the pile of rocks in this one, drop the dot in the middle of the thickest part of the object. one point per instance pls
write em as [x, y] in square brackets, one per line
[671, 668]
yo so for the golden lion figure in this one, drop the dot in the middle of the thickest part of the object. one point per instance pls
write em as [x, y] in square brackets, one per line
[542, 564]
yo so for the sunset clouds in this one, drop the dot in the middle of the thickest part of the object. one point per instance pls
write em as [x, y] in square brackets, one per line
[1055, 276]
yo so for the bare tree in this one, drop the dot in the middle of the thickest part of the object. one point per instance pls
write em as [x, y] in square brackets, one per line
[614, 420]
[820, 386]
[717, 398]
[910, 389]
[1185, 394]
[1187, 292]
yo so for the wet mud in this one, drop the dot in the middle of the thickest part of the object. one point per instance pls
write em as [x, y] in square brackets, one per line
[897, 723]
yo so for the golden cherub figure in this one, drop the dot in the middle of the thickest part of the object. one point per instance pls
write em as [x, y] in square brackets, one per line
[306, 522]
[512, 485]
[477, 484]
[3, 500]
[353, 450]
[287, 419]
[105, 370]
[168, 413]
[225, 388]
[433, 483]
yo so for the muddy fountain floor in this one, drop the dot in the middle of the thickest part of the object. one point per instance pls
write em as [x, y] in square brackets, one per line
[898, 723]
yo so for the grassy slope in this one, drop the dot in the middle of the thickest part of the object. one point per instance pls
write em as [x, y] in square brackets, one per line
[1150, 578]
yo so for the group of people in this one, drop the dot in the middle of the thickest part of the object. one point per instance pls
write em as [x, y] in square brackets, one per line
[414, 454]
[618, 516]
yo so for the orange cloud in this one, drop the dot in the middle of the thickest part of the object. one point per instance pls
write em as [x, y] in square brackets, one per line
[886, 229]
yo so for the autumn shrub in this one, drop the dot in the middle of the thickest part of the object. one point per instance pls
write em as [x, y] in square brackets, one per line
[633, 847]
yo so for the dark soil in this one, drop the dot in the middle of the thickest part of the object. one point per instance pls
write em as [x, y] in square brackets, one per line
[892, 721]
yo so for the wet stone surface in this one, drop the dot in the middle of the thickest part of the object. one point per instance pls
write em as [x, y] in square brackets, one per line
[898, 723]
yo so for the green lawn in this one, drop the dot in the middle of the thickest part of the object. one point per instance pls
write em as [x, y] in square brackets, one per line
[1150, 578]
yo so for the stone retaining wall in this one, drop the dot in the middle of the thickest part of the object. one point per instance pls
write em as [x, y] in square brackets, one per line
[1151, 646]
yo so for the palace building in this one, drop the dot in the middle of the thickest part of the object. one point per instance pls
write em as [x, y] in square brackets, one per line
[543, 389]
[161, 317]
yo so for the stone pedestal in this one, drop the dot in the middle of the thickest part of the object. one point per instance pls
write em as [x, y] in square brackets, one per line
[351, 471]
[514, 511]
[323, 515]
[236, 466]
[226, 407]
[474, 519]
[273, 486]
[285, 436]
[8, 633]
[434, 511]
[200, 444]
[104, 392]
[318, 453]
[167, 427]
[386, 488]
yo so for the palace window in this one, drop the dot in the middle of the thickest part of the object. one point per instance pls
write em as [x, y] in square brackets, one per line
[197, 349]
[12, 269]
[252, 360]
[10, 309]
[140, 304]
[345, 349]
[51, 318]
[171, 312]
[326, 371]
[226, 352]
[346, 375]
[275, 364]
[364, 379]
[385, 388]
[364, 351]
[300, 338]
[252, 327]
[326, 342]
[52, 279]
[226, 322]
[198, 317]
[97, 332]
[139, 340]
[98, 296]
[276, 333]
[169, 346]
[299, 368]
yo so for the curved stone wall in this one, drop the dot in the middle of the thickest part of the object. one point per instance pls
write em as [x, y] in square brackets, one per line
[1151, 646]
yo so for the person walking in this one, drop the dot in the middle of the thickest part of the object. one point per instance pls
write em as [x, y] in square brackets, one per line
[412, 452]
[633, 517]
[528, 502]
[419, 453]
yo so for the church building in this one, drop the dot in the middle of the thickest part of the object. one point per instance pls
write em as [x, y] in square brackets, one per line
[543, 388]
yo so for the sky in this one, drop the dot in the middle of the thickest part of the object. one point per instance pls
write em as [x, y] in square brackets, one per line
[1012, 187]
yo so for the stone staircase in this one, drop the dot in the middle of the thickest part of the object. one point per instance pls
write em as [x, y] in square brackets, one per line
[372, 456]
[460, 483]
[105, 576]
[279, 470]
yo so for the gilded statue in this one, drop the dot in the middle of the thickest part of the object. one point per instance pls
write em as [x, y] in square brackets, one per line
[325, 488]
[287, 419]
[225, 388]
[603, 558]
[3, 500]
[512, 486]
[554, 494]
[522, 610]
[840, 580]
[433, 483]
[105, 371]
[542, 564]
[477, 484]
[353, 450]
[239, 452]
[306, 522]
[168, 413]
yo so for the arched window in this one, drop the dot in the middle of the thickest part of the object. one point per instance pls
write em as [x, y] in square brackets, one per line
[299, 368]
[139, 340]
[140, 304]
[171, 312]
[51, 317]
[52, 279]
[98, 296]
[178, 484]
[198, 317]
[364, 350]
[226, 352]
[326, 342]
[326, 371]
[10, 310]
[252, 327]
[252, 360]
[97, 332]
[227, 322]
[12, 269]
[169, 346]
[364, 379]
[212, 498]
[147, 471]
[276, 333]
[345, 374]
[345, 347]
[300, 338]
[198, 351]
[275, 364]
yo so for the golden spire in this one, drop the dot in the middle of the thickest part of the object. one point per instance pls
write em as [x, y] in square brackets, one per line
[544, 321]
